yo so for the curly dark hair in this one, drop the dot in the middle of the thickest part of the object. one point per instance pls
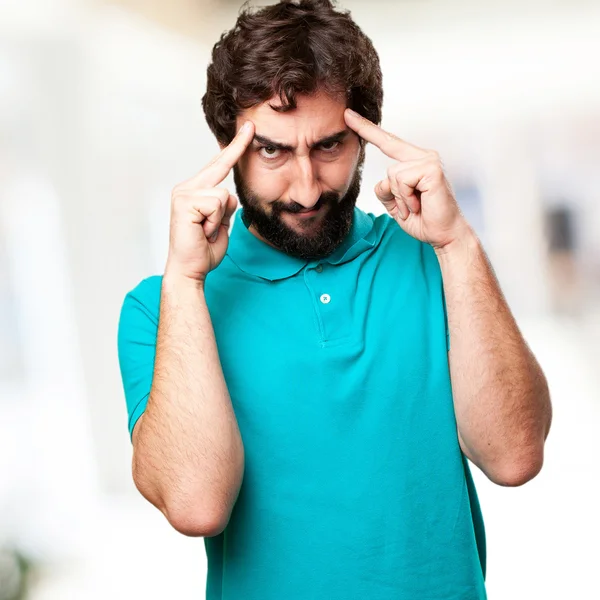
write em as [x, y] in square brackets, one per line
[290, 48]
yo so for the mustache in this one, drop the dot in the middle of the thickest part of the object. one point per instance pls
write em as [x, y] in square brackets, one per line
[325, 198]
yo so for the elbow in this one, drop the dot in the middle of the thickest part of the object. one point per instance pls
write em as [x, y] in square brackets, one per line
[184, 514]
[520, 472]
[195, 518]
[197, 514]
[198, 522]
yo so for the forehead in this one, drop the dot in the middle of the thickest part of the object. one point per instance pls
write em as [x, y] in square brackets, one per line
[314, 117]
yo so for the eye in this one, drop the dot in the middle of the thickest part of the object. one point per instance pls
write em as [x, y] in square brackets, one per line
[330, 146]
[269, 152]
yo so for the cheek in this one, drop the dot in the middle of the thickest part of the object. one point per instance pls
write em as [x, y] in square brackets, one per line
[337, 175]
[267, 183]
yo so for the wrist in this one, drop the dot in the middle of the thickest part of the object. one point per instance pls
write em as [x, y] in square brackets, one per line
[173, 279]
[461, 247]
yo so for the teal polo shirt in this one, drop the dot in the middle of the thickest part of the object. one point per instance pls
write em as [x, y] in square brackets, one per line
[355, 486]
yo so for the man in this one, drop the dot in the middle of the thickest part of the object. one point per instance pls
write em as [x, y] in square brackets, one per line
[305, 393]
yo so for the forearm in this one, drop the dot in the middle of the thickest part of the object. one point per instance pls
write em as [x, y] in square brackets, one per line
[188, 458]
[501, 397]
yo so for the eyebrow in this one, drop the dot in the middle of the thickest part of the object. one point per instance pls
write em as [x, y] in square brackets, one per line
[336, 137]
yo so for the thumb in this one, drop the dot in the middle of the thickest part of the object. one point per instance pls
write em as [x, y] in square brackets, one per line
[232, 204]
[223, 230]
[383, 191]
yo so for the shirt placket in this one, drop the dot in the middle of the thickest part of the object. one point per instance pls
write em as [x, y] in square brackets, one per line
[326, 302]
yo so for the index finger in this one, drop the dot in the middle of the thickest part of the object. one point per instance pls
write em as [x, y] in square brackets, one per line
[390, 144]
[218, 168]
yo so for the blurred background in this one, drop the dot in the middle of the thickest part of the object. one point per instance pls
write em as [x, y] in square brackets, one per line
[100, 117]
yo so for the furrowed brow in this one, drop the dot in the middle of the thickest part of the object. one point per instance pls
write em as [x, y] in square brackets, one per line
[265, 141]
[336, 137]
[330, 139]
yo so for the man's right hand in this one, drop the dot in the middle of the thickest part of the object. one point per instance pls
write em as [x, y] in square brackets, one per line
[201, 213]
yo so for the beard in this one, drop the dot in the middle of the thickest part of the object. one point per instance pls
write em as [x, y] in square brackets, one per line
[314, 239]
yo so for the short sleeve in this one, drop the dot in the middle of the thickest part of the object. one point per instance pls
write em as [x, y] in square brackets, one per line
[434, 275]
[136, 343]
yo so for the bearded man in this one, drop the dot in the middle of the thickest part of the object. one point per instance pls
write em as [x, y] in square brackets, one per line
[305, 393]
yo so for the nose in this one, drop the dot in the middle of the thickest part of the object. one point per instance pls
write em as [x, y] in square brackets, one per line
[305, 189]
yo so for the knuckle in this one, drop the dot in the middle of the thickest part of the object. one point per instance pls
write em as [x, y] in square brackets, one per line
[212, 202]
[436, 169]
[391, 171]
[222, 194]
[176, 191]
[177, 199]
[434, 155]
[219, 194]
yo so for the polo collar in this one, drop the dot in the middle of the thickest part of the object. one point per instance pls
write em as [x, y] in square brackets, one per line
[257, 258]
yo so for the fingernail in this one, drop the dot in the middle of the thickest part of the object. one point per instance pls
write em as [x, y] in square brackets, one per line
[214, 236]
[245, 127]
[353, 112]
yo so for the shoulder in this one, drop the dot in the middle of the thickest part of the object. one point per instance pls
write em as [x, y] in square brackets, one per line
[147, 289]
[395, 244]
[390, 233]
[143, 300]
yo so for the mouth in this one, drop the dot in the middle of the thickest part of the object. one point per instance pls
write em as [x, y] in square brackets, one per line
[307, 214]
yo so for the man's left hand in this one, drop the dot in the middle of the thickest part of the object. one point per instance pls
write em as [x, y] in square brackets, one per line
[415, 192]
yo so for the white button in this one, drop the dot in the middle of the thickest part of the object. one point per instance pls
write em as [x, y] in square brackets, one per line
[319, 268]
[325, 298]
